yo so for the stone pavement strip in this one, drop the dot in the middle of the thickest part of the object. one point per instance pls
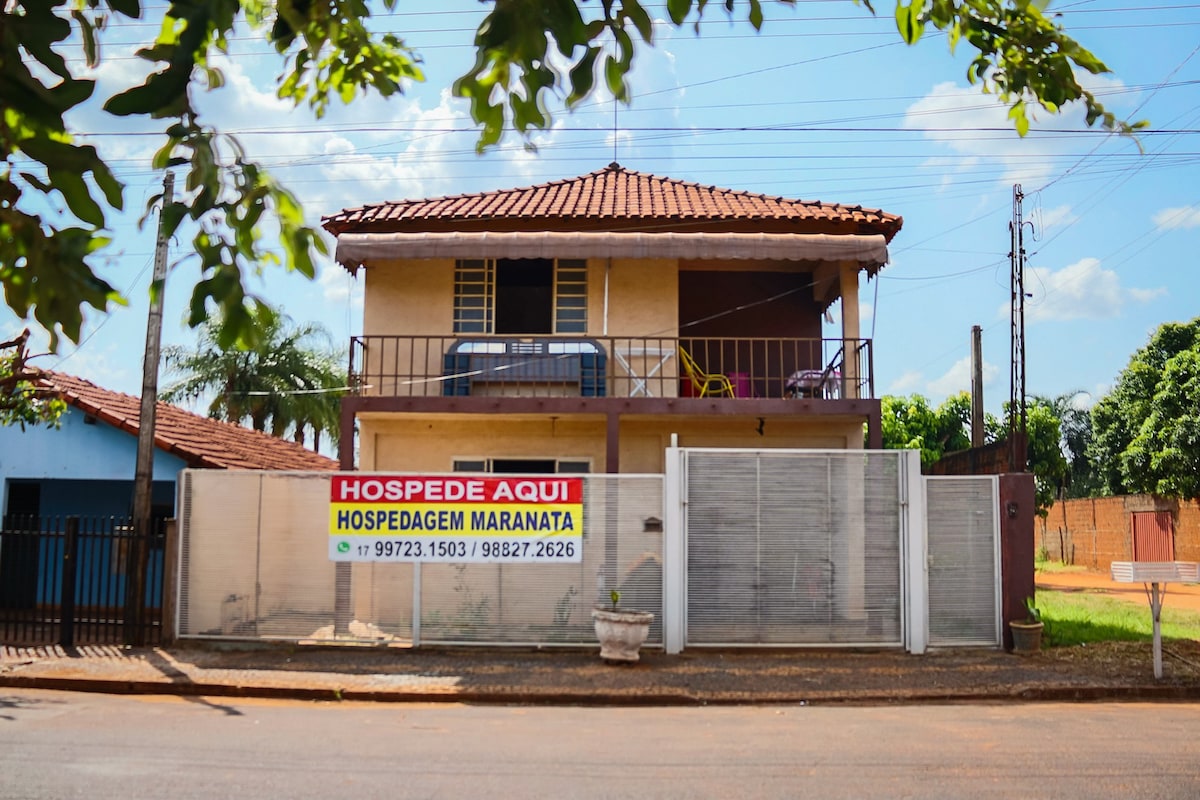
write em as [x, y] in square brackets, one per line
[578, 677]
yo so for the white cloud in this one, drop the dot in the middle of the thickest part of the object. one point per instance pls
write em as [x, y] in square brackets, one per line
[1179, 217]
[964, 120]
[906, 383]
[339, 287]
[1083, 290]
[1046, 218]
[958, 379]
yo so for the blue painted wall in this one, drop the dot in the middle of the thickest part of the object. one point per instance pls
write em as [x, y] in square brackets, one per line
[82, 468]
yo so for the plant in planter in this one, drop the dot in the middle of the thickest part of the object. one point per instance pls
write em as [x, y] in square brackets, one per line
[621, 631]
[1027, 633]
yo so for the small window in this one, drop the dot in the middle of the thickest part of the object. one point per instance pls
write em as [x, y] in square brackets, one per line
[531, 466]
[473, 297]
[524, 295]
[520, 296]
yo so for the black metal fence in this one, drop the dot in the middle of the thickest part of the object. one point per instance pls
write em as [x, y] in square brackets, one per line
[67, 580]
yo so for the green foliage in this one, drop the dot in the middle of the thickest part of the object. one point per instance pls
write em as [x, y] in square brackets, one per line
[1020, 55]
[22, 400]
[1044, 451]
[615, 597]
[909, 423]
[1147, 429]
[328, 50]
[1032, 611]
[288, 382]
[1074, 618]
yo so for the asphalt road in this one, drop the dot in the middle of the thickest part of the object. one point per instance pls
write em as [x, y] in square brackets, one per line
[57, 745]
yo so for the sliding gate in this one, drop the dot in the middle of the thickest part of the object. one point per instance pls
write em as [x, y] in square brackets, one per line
[836, 548]
[793, 547]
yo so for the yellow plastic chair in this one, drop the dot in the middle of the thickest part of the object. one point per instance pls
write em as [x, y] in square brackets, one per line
[706, 384]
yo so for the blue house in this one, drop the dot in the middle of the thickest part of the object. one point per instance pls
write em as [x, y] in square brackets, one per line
[86, 466]
[83, 471]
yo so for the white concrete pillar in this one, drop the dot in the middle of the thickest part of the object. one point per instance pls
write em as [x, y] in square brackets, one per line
[674, 551]
[848, 280]
[914, 542]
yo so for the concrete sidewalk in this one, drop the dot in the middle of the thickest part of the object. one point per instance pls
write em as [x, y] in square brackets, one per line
[1114, 671]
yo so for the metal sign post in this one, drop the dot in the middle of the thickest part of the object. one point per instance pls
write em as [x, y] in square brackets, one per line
[1151, 574]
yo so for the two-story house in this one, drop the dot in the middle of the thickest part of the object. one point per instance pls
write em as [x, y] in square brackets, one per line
[576, 325]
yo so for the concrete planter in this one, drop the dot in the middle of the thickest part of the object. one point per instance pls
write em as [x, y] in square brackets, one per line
[621, 632]
[1027, 637]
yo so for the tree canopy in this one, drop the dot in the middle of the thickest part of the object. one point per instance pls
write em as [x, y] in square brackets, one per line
[326, 51]
[910, 423]
[22, 401]
[290, 383]
[1147, 429]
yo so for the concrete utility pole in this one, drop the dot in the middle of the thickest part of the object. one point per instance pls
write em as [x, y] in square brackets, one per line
[143, 478]
[977, 425]
[1018, 460]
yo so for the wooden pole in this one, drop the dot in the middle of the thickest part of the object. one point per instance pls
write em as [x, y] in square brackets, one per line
[143, 479]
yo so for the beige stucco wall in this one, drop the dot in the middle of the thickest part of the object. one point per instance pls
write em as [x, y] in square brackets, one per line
[416, 297]
[431, 443]
[643, 298]
[409, 298]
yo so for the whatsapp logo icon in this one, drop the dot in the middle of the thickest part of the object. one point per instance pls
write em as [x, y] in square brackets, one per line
[343, 547]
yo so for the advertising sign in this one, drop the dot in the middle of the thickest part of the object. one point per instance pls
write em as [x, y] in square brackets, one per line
[452, 519]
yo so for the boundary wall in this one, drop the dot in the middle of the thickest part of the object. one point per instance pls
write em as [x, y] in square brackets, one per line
[1093, 532]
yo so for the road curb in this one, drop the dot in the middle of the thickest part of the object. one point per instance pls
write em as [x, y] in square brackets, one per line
[1072, 694]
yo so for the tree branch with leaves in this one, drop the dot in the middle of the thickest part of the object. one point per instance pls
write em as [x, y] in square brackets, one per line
[330, 50]
[23, 400]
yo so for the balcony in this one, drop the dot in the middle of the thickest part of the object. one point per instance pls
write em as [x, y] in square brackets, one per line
[729, 369]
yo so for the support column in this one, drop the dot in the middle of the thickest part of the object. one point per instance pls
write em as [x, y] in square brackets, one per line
[612, 505]
[915, 548]
[674, 554]
[612, 443]
[850, 328]
[341, 570]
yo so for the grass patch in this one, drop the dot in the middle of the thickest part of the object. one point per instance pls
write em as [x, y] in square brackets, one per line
[1073, 618]
[1056, 567]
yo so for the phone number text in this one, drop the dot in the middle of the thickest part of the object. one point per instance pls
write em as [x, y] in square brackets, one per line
[450, 550]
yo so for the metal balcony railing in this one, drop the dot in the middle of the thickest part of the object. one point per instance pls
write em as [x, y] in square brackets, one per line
[610, 366]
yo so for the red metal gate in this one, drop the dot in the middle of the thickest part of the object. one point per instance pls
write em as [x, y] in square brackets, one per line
[1153, 536]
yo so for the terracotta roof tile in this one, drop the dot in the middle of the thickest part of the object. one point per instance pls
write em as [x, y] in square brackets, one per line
[615, 194]
[200, 441]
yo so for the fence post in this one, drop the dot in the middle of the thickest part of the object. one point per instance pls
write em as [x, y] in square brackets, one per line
[170, 582]
[66, 603]
[674, 552]
[915, 547]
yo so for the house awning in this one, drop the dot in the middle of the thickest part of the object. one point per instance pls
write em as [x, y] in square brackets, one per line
[869, 250]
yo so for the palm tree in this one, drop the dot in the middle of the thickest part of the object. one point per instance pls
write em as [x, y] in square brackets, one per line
[1082, 479]
[290, 381]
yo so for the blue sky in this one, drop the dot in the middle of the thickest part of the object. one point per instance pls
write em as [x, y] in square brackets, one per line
[825, 104]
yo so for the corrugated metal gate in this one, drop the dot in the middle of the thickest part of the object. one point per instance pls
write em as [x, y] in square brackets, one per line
[963, 557]
[1153, 536]
[793, 547]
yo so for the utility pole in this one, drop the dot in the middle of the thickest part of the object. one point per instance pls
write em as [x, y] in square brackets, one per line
[143, 478]
[1016, 409]
[977, 423]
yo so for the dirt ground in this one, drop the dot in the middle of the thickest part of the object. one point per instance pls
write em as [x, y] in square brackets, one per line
[1179, 595]
[1125, 658]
